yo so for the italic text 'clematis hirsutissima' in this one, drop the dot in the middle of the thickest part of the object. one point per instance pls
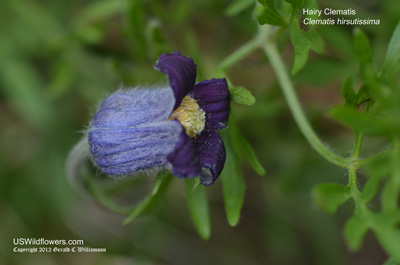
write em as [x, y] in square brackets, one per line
[173, 127]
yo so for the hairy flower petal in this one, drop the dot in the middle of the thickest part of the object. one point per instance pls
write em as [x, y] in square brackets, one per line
[130, 132]
[133, 107]
[123, 151]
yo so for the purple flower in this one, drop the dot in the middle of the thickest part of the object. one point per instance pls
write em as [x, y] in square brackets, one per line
[172, 127]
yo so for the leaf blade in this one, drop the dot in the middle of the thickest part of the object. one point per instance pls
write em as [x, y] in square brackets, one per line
[233, 184]
[329, 196]
[198, 207]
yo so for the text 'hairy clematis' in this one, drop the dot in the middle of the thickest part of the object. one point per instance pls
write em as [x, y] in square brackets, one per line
[172, 127]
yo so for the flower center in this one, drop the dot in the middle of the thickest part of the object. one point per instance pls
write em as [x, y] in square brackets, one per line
[190, 115]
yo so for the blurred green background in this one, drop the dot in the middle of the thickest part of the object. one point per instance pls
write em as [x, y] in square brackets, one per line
[59, 58]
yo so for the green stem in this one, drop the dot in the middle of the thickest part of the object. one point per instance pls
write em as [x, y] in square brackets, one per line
[352, 168]
[102, 198]
[355, 154]
[294, 105]
[239, 54]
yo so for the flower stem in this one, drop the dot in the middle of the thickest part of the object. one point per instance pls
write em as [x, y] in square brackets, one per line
[294, 105]
[239, 54]
[352, 168]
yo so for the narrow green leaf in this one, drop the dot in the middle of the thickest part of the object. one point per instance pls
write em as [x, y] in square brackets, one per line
[198, 207]
[302, 42]
[233, 184]
[389, 237]
[393, 52]
[101, 197]
[237, 6]
[391, 190]
[362, 122]
[333, 70]
[158, 192]
[371, 188]
[365, 92]
[241, 95]
[348, 92]
[354, 232]
[363, 53]
[248, 152]
[329, 196]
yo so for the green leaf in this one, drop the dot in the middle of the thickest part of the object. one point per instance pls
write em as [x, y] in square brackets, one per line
[233, 184]
[354, 232]
[244, 147]
[393, 52]
[237, 7]
[389, 237]
[363, 53]
[158, 192]
[266, 15]
[348, 92]
[297, 4]
[365, 92]
[101, 197]
[333, 70]
[371, 188]
[329, 196]
[302, 42]
[198, 207]
[362, 122]
[241, 95]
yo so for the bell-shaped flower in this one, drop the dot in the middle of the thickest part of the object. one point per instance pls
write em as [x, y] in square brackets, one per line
[175, 127]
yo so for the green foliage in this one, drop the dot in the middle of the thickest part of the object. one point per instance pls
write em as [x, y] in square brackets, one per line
[363, 53]
[330, 196]
[354, 232]
[393, 53]
[302, 42]
[198, 207]
[233, 184]
[241, 95]
[379, 118]
[348, 93]
[268, 14]
[152, 199]
[361, 122]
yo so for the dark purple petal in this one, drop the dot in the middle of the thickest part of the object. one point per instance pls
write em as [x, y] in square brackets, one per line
[181, 72]
[211, 151]
[184, 158]
[213, 97]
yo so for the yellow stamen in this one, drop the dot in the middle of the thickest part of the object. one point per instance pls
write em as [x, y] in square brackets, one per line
[191, 116]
